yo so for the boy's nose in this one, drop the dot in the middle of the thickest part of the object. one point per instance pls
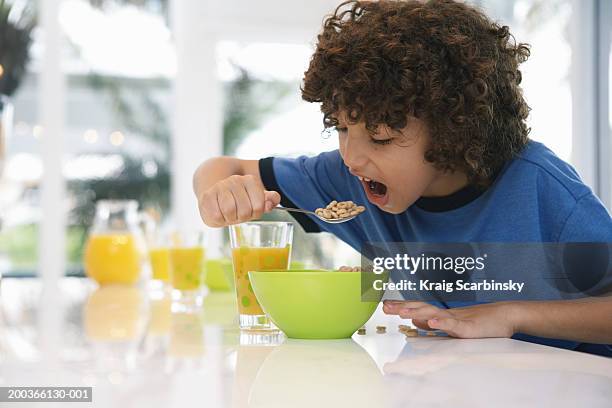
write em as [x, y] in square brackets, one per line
[353, 157]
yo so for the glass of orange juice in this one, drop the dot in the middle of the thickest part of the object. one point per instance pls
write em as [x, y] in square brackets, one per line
[257, 246]
[187, 257]
[115, 248]
[159, 259]
[160, 263]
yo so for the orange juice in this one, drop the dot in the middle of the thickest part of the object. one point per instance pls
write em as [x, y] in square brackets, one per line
[187, 266]
[112, 258]
[255, 259]
[160, 263]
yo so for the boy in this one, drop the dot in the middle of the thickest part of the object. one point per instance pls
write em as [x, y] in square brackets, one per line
[430, 116]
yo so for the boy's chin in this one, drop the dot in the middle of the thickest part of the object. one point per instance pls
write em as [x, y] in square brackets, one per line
[394, 209]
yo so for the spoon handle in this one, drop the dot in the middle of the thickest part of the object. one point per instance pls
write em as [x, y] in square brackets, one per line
[292, 209]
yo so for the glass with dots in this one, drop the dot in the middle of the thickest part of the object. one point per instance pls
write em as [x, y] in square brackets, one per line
[257, 246]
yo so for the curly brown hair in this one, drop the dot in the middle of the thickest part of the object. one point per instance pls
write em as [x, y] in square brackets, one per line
[442, 61]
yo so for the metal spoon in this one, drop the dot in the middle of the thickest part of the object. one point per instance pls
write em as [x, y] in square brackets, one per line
[327, 220]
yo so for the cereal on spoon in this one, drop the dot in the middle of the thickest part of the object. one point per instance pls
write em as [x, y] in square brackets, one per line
[340, 209]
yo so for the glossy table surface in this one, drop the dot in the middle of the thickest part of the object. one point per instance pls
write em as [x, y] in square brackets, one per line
[135, 351]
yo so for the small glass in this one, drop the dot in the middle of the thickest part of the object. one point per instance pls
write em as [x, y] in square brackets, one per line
[257, 246]
[159, 259]
[187, 257]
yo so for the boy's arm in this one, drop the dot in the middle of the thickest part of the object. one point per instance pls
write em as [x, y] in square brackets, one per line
[218, 168]
[230, 191]
[585, 320]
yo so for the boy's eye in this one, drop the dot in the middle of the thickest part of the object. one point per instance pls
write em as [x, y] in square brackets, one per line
[381, 141]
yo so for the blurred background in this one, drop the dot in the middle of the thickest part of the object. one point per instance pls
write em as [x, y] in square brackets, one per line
[124, 98]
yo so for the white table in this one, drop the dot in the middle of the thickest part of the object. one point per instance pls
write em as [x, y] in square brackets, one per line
[135, 353]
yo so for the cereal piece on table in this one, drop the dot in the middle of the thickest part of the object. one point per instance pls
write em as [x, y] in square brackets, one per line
[381, 329]
[361, 331]
[408, 330]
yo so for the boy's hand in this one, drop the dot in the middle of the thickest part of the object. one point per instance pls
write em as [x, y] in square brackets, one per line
[234, 200]
[486, 320]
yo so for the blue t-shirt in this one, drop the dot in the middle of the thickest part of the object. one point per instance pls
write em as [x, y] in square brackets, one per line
[536, 197]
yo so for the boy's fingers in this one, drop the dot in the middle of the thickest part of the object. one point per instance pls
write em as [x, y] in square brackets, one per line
[421, 324]
[394, 307]
[272, 200]
[227, 204]
[243, 203]
[256, 196]
[398, 304]
[424, 313]
[210, 211]
[391, 309]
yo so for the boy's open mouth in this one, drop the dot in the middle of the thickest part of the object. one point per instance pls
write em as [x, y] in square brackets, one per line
[375, 190]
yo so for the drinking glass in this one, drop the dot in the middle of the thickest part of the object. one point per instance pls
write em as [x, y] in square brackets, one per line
[257, 246]
[187, 256]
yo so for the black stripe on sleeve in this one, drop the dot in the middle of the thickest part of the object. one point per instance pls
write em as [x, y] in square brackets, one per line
[268, 178]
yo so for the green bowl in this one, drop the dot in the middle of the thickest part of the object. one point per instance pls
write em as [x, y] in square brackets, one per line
[313, 304]
[219, 276]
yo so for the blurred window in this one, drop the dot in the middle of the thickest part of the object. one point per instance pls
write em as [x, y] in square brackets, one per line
[118, 60]
[546, 74]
